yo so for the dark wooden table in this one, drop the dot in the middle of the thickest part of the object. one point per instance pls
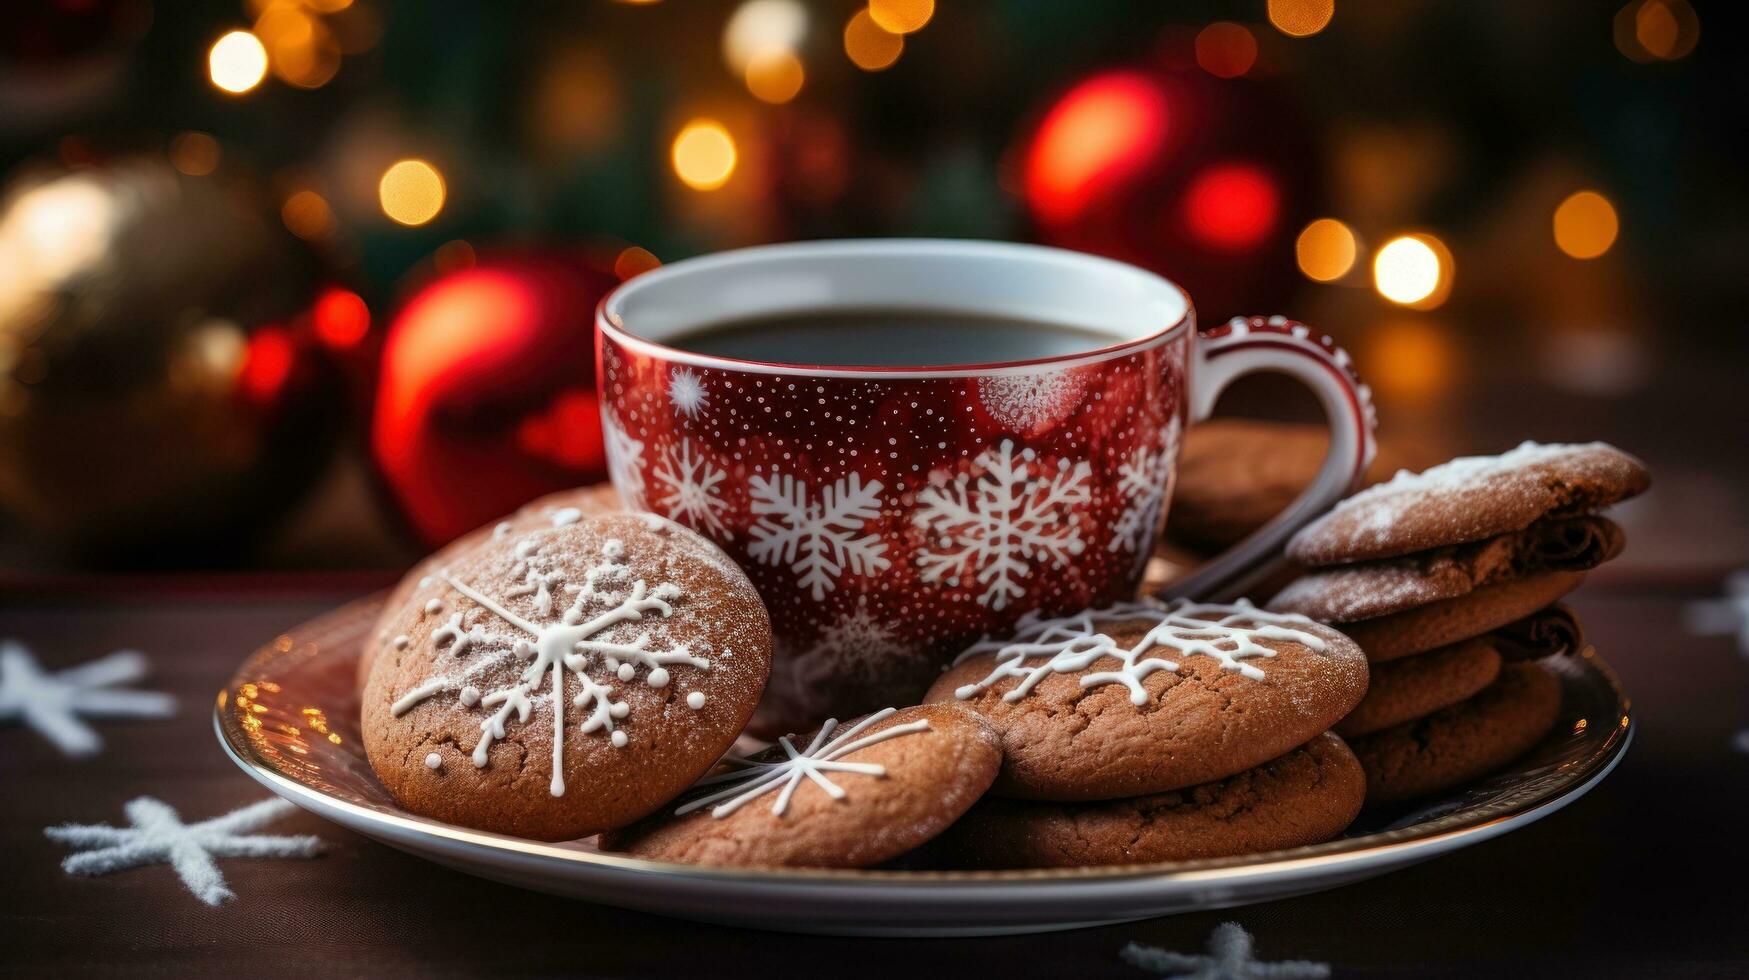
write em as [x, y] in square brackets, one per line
[1642, 877]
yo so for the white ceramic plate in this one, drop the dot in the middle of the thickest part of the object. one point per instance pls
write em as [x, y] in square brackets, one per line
[290, 719]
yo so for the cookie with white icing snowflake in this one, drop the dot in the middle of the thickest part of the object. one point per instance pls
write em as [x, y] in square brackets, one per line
[560, 682]
[1471, 498]
[1307, 796]
[1141, 698]
[555, 510]
[848, 795]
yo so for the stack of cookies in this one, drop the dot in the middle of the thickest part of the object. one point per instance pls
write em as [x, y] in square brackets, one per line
[1450, 580]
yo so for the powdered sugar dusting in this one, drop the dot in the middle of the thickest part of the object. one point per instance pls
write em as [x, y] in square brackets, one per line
[1464, 472]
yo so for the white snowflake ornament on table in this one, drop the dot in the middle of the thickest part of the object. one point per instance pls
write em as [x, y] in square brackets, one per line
[158, 836]
[994, 524]
[1232, 955]
[54, 703]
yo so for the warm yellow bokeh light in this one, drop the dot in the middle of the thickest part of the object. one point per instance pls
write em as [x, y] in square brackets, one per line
[1301, 18]
[1410, 359]
[307, 215]
[901, 16]
[1585, 225]
[1225, 49]
[762, 27]
[704, 155]
[1666, 29]
[1326, 250]
[237, 62]
[870, 46]
[195, 154]
[1414, 270]
[411, 192]
[775, 77]
[634, 261]
[301, 50]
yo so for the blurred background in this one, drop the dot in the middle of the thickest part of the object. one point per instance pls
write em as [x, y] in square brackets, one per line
[305, 286]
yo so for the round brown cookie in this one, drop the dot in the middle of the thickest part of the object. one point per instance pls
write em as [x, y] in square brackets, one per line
[551, 511]
[557, 683]
[896, 778]
[1305, 797]
[1468, 499]
[1463, 742]
[1443, 623]
[1417, 686]
[1139, 698]
[1345, 593]
[1236, 474]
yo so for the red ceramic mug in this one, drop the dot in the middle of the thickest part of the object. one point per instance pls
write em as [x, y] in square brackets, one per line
[891, 508]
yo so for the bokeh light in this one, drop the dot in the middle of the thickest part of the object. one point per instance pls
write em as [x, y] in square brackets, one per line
[1413, 270]
[1099, 133]
[301, 50]
[1409, 359]
[411, 192]
[1326, 250]
[633, 261]
[340, 318]
[454, 255]
[761, 27]
[1231, 206]
[195, 154]
[704, 155]
[1225, 49]
[1585, 225]
[1301, 18]
[901, 16]
[775, 77]
[1661, 30]
[307, 214]
[237, 62]
[870, 46]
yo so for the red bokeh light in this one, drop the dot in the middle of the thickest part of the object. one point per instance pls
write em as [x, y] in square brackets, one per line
[1102, 131]
[1232, 206]
[267, 364]
[341, 318]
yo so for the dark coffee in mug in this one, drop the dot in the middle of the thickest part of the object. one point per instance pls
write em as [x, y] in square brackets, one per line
[889, 338]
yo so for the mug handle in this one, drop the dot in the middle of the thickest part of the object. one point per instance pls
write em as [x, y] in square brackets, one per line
[1247, 344]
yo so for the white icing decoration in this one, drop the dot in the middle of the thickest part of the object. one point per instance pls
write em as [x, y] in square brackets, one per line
[433, 607]
[52, 703]
[502, 530]
[755, 779]
[426, 581]
[572, 645]
[403, 641]
[566, 515]
[627, 672]
[695, 700]
[997, 523]
[433, 761]
[1072, 644]
[158, 836]
[816, 536]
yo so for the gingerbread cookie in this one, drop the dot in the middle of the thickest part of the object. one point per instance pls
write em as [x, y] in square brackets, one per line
[1141, 698]
[1443, 623]
[1235, 474]
[557, 683]
[1463, 742]
[1469, 499]
[1305, 797]
[551, 511]
[1545, 633]
[1415, 687]
[1345, 593]
[846, 796]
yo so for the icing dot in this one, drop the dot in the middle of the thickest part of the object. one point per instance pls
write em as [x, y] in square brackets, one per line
[695, 700]
[402, 641]
[613, 548]
[619, 709]
[619, 740]
[501, 530]
[434, 607]
[469, 696]
[524, 650]
[433, 761]
[626, 672]
[658, 677]
[566, 515]
[425, 582]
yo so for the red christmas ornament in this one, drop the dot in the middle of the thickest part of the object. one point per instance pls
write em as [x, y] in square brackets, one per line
[486, 396]
[1204, 180]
